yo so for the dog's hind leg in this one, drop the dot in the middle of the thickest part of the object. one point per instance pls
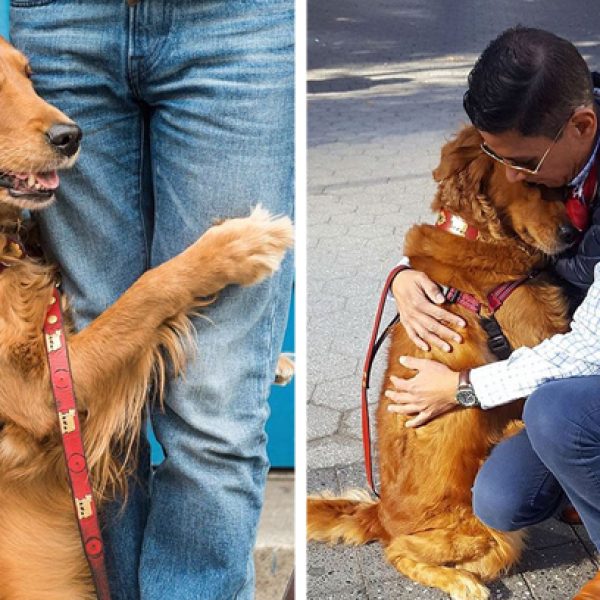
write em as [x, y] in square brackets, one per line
[421, 557]
[501, 556]
[445, 546]
[458, 584]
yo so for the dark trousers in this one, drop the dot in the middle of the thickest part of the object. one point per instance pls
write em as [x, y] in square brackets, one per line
[526, 477]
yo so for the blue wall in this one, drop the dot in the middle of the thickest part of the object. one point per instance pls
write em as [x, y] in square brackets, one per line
[4, 18]
[280, 427]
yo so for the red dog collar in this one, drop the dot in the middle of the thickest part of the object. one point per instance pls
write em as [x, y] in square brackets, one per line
[456, 225]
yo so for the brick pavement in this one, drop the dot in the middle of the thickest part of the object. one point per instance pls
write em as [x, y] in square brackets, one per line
[375, 130]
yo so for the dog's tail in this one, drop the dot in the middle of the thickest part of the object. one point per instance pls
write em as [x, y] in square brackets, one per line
[353, 519]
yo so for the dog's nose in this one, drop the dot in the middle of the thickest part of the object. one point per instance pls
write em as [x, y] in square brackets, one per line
[567, 233]
[65, 138]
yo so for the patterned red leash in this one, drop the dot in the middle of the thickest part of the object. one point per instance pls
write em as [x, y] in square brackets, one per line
[77, 468]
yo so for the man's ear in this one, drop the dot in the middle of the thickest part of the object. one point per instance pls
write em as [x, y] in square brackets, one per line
[585, 122]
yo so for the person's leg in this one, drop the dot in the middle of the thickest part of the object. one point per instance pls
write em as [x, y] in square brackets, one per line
[220, 85]
[96, 230]
[514, 488]
[563, 423]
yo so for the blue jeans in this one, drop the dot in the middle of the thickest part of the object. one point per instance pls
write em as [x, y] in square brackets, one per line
[526, 477]
[187, 116]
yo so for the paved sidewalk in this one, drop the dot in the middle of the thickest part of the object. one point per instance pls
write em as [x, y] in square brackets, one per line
[385, 85]
[274, 550]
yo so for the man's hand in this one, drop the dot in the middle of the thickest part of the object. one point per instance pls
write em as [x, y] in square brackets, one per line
[432, 392]
[425, 323]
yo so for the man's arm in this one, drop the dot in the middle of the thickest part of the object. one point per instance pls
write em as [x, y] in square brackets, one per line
[432, 391]
[572, 354]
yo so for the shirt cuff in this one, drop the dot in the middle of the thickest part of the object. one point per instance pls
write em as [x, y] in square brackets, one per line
[403, 262]
[483, 380]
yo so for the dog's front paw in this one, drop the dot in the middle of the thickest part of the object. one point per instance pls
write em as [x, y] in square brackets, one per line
[252, 248]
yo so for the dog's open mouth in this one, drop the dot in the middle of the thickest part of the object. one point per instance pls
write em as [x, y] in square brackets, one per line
[33, 186]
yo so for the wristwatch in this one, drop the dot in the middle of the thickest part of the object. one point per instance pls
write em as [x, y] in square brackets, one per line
[465, 394]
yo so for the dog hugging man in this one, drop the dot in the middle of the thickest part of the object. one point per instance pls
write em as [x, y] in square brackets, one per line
[532, 98]
[187, 113]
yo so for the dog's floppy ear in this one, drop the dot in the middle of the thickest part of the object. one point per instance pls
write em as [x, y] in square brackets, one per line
[459, 153]
[464, 175]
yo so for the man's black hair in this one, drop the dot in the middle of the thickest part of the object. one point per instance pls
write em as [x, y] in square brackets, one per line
[528, 80]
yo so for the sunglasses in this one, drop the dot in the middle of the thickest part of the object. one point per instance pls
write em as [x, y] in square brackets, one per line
[511, 164]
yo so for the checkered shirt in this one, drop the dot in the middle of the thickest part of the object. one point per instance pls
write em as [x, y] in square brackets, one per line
[570, 354]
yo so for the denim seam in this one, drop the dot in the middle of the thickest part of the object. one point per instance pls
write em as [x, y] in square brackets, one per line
[270, 360]
[579, 428]
[580, 453]
[132, 74]
[141, 191]
[536, 494]
[273, 286]
[144, 64]
[30, 3]
[536, 489]
[578, 425]
[155, 56]
[585, 416]
[590, 471]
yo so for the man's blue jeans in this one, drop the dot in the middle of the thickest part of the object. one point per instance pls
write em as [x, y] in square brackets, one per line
[522, 481]
[187, 116]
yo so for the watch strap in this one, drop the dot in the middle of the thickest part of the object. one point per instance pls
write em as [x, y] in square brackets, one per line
[464, 378]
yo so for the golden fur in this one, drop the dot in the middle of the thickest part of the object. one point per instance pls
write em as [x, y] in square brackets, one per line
[130, 348]
[424, 518]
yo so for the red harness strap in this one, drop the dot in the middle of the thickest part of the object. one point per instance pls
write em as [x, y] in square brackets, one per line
[495, 298]
[77, 469]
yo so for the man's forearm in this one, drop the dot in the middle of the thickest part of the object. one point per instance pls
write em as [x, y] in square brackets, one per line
[572, 354]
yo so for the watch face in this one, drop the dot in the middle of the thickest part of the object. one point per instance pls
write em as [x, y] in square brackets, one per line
[467, 397]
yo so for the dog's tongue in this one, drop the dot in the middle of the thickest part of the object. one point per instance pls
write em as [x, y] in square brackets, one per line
[48, 180]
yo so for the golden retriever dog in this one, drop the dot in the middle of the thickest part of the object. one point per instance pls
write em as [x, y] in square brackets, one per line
[424, 518]
[134, 345]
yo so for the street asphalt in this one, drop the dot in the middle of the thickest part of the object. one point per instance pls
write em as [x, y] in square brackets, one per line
[385, 86]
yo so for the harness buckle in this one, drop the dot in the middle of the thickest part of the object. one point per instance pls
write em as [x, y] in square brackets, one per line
[497, 341]
[451, 294]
